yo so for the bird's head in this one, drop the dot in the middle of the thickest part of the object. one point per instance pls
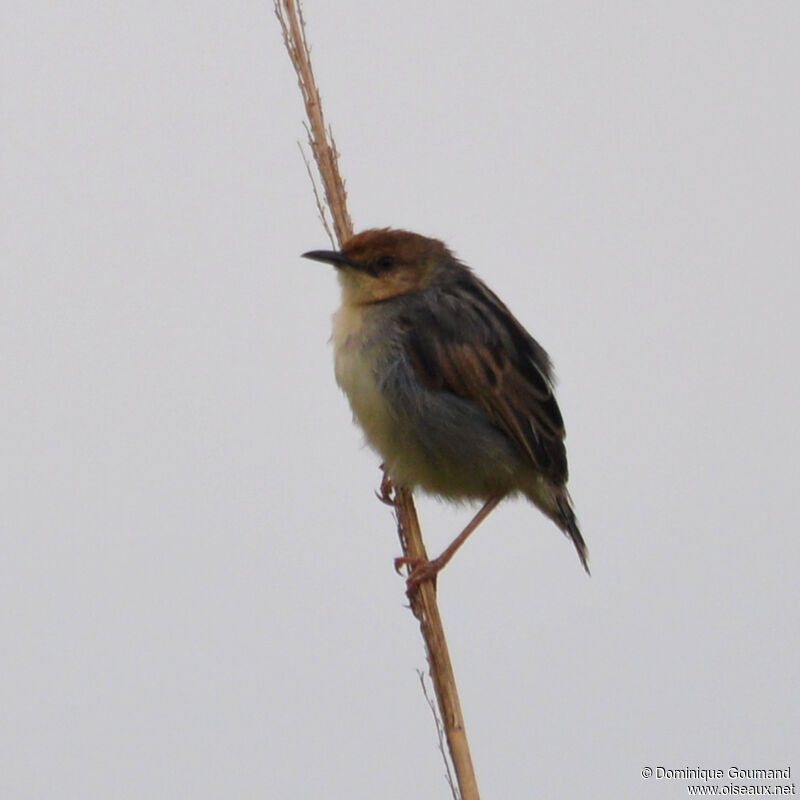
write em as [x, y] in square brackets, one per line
[381, 263]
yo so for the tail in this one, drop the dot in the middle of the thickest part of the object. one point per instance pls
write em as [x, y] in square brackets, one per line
[555, 502]
[568, 523]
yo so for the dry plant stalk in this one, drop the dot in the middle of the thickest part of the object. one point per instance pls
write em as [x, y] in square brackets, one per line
[290, 16]
[423, 600]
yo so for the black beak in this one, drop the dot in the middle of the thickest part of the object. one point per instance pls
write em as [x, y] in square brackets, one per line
[329, 257]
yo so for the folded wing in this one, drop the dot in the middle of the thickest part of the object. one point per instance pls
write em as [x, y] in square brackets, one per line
[481, 352]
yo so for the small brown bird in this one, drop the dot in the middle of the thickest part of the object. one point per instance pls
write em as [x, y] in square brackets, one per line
[449, 388]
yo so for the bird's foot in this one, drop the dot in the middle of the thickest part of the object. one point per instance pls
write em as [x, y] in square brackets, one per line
[386, 490]
[421, 571]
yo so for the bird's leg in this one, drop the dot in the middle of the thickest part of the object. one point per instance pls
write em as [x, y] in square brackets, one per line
[423, 570]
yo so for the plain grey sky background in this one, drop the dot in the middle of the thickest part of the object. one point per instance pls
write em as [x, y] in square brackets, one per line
[196, 587]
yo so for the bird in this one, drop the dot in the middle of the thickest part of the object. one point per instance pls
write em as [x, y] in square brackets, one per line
[449, 388]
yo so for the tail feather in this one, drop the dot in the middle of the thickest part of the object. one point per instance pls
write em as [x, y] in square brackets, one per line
[568, 523]
[555, 502]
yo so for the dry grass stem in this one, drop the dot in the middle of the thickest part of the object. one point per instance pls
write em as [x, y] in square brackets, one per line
[423, 600]
[323, 216]
[426, 610]
[440, 735]
[323, 146]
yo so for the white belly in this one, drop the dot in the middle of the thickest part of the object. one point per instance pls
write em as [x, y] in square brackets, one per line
[434, 456]
[355, 359]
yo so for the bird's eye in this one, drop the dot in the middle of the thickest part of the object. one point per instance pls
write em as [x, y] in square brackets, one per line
[386, 262]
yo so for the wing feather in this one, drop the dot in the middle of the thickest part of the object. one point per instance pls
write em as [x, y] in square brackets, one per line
[467, 342]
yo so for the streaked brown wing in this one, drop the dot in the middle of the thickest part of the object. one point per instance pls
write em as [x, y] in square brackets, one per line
[472, 346]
